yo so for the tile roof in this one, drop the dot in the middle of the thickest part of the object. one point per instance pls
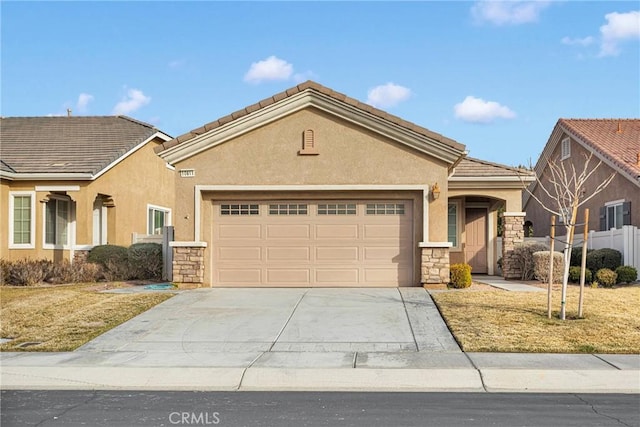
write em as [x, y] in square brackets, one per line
[310, 85]
[618, 140]
[473, 168]
[81, 144]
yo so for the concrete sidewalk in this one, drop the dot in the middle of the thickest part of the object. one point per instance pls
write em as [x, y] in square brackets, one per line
[499, 282]
[479, 372]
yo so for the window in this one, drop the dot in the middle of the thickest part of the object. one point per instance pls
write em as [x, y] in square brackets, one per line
[565, 149]
[21, 220]
[337, 209]
[158, 217]
[56, 222]
[452, 224]
[239, 209]
[615, 215]
[288, 209]
[385, 208]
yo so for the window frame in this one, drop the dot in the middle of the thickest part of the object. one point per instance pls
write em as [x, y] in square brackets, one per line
[565, 148]
[167, 217]
[615, 204]
[458, 221]
[32, 225]
[56, 245]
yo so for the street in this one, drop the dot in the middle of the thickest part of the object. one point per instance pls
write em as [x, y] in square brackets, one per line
[167, 408]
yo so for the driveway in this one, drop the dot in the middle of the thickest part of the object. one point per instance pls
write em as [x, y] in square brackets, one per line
[229, 327]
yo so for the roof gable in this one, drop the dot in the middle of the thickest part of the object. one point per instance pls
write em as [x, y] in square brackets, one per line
[81, 146]
[617, 140]
[305, 95]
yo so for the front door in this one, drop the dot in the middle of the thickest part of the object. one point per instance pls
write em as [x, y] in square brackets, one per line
[476, 241]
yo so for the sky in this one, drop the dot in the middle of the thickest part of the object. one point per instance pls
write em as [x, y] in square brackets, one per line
[495, 76]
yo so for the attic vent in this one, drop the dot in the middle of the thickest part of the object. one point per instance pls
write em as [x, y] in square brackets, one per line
[187, 173]
[308, 143]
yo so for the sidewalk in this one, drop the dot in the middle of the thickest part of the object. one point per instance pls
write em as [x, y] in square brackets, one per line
[401, 371]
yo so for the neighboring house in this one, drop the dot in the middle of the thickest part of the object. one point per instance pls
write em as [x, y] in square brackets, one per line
[615, 142]
[70, 183]
[314, 188]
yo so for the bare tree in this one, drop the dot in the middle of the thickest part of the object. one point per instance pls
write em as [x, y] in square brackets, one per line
[566, 190]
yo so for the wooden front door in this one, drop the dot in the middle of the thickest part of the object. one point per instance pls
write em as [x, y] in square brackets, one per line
[476, 241]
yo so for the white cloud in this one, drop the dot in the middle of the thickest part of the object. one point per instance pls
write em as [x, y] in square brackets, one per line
[619, 27]
[477, 110]
[387, 95]
[177, 63]
[508, 12]
[134, 100]
[586, 41]
[83, 101]
[272, 68]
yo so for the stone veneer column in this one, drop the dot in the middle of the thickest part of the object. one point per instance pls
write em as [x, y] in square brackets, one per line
[434, 266]
[512, 234]
[188, 262]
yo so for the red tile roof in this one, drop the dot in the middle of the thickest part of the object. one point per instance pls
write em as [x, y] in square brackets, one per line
[310, 85]
[618, 140]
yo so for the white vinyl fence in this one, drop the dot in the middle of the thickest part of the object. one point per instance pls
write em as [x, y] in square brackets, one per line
[625, 239]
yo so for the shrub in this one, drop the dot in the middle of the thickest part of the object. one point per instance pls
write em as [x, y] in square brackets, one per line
[541, 265]
[574, 275]
[78, 272]
[460, 276]
[4, 271]
[114, 261]
[523, 253]
[27, 272]
[576, 256]
[145, 260]
[604, 258]
[606, 277]
[626, 274]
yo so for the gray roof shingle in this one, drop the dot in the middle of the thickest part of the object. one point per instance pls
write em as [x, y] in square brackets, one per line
[81, 144]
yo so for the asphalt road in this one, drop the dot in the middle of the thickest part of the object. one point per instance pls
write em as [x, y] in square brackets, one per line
[174, 408]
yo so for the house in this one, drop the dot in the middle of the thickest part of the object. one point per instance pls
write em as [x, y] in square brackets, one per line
[615, 143]
[70, 183]
[313, 188]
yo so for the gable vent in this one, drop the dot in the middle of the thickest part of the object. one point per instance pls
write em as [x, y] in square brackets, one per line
[187, 173]
[308, 143]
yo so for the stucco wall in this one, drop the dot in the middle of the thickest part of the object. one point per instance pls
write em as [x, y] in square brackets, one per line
[619, 189]
[140, 179]
[348, 155]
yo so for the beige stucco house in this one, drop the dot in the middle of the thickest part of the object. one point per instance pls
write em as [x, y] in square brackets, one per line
[313, 188]
[70, 183]
[615, 144]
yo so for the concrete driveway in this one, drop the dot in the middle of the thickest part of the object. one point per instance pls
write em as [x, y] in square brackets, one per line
[233, 327]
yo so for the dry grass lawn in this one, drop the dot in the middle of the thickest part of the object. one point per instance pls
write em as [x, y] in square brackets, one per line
[502, 321]
[62, 318]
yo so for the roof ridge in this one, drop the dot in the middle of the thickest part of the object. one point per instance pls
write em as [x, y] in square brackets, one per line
[500, 165]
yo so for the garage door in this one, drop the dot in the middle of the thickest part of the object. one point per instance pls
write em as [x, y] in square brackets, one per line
[312, 243]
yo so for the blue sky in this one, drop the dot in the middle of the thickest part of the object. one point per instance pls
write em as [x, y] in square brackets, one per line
[495, 76]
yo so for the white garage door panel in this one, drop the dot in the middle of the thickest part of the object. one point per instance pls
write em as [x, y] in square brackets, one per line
[312, 243]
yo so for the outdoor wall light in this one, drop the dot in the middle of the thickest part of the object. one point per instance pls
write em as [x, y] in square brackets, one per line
[435, 191]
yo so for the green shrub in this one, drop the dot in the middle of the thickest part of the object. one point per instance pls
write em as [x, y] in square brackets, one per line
[460, 276]
[103, 253]
[524, 257]
[604, 258]
[145, 260]
[574, 275]
[576, 256]
[606, 277]
[626, 274]
[114, 261]
[541, 266]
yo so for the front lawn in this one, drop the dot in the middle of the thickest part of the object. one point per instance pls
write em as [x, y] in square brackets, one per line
[503, 321]
[62, 318]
